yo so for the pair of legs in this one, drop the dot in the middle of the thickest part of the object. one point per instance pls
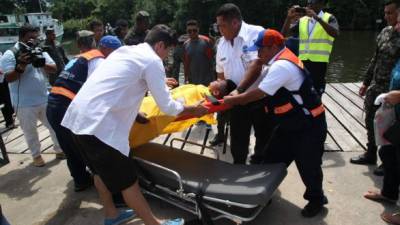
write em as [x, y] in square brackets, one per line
[305, 147]
[114, 172]
[28, 117]
[222, 120]
[55, 113]
[242, 119]
[390, 156]
[317, 72]
[7, 110]
[369, 157]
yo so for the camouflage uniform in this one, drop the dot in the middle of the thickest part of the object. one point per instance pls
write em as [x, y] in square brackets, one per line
[134, 37]
[378, 78]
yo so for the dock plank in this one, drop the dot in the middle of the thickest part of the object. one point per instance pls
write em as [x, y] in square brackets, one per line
[353, 88]
[350, 107]
[351, 126]
[357, 100]
[340, 136]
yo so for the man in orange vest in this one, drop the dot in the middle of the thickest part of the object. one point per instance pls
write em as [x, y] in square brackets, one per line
[65, 87]
[296, 108]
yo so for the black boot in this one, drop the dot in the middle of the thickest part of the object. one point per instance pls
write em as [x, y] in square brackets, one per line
[313, 208]
[218, 139]
[364, 159]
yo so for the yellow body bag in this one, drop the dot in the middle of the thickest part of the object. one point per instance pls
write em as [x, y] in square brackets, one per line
[160, 123]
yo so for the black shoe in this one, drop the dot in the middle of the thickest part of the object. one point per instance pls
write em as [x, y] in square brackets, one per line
[363, 159]
[216, 141]
[11, 126]
[313, 208]
[82, 187]
[378, 171]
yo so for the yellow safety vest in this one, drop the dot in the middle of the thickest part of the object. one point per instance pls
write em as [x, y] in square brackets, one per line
[318, 46]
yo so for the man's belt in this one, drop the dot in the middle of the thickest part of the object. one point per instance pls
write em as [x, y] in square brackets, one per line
[63, 91]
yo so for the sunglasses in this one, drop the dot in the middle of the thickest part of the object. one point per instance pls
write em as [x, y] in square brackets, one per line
[192, 31]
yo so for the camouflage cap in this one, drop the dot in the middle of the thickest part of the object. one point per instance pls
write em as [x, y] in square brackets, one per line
[142, 15]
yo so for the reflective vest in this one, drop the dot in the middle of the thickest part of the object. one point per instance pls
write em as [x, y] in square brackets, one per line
[74, 75]
[285, 109]
[318, 46]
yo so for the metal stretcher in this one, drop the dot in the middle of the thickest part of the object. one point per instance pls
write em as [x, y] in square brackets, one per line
[208, 188]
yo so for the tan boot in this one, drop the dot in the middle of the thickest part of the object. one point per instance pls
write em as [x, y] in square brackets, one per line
[38, 161]
[60, 155]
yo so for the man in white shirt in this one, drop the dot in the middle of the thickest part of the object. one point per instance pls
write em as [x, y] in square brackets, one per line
[232, 63]
[296, 108]
[102, 113]
[25, 76]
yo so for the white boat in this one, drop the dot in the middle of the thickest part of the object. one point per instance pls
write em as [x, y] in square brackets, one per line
[10, 24]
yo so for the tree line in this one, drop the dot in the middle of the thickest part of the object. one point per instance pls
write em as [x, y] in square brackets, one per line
[353, 14]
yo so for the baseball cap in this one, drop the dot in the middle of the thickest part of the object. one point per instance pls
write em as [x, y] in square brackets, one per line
[267, 37]
[84, 33]
[110, 41]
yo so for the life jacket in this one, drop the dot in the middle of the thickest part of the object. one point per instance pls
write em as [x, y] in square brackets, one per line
[315, 46]
[284, 108]
[74, 75]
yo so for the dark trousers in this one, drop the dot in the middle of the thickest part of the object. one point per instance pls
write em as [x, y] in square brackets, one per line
[305, 147]
[242, 119]
[222, 119]
[76, 166]
[390, 156]
[7, 110]
[318, 72]
[370, 110]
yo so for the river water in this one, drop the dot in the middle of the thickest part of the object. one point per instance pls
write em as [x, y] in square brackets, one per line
[351, 55]
[349, 61]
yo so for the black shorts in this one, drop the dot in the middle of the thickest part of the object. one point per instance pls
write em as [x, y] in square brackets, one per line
[117, 171]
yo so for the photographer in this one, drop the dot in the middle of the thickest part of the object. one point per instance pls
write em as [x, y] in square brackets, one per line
[317, 31]
[23, 66]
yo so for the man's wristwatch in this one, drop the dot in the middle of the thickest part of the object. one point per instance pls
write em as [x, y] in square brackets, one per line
[240, 90]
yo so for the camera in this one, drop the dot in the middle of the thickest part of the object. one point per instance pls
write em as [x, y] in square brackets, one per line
[35, 53]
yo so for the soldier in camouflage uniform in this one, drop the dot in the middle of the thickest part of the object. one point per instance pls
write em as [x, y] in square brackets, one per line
[377, 78]
[137, 33]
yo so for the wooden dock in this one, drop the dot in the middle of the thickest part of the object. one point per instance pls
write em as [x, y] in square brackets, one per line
[345, 116]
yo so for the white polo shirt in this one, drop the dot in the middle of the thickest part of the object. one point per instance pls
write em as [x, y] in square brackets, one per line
[107, 104]
[234, 60]
[282, 73]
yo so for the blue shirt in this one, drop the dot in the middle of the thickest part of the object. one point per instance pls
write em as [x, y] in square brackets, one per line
[395, 84]
[30, 90]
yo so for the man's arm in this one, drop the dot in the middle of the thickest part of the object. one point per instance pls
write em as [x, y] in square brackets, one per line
[50, 66]
[332, 31]
[155, 78]
[14, 70]
[186, 65]
[393, 97]
[220, 76]
[368, 75]
[250, 76]
[291, 17]
[245, 98]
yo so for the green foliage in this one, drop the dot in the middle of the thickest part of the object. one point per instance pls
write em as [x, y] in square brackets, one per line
[73, 25]
[355, 14]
